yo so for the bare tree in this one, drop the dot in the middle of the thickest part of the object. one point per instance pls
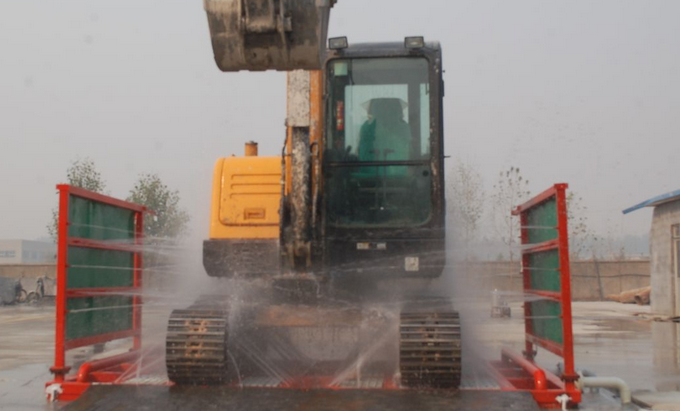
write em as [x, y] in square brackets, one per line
[466, 203]
[510, 191]
[580, 234]
[610, 246]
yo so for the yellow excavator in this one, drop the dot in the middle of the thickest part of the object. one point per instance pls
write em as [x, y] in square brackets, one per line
[354, 202]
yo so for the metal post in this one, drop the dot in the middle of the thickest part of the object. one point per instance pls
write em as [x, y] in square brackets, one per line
[526, 279]
[569, 376]
[137, 282]
[60, 369]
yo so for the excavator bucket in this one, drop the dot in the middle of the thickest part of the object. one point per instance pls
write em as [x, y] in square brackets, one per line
[260, 35]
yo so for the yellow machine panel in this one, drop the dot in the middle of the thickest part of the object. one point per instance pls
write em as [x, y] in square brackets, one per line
[245, 198]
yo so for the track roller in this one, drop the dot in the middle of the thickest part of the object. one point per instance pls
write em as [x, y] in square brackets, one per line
[196, 347]
[430, 349]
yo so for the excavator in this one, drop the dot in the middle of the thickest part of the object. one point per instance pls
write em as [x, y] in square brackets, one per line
[335, 240]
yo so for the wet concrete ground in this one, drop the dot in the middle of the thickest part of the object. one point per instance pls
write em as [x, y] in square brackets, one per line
[26, 349]
[258, 399]
[610, 340]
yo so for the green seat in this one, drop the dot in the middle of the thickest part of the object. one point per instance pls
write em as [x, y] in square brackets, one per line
[385, 136]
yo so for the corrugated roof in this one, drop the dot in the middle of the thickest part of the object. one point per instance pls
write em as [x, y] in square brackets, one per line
[653, 202]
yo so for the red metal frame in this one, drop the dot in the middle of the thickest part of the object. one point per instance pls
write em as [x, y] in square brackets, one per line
[521, 370]
[110, 368]
[514, 371]
[101, 198]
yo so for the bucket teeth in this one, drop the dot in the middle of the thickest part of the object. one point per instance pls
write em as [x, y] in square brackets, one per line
[430, 349]
[196, 347]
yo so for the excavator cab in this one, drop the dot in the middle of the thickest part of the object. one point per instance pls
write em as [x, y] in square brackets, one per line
[383, 198]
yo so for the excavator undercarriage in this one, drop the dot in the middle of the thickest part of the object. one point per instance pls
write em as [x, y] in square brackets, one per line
[331, 345]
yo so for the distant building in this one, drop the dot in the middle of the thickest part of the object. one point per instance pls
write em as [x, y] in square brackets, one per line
[664, 252]
[27, 252]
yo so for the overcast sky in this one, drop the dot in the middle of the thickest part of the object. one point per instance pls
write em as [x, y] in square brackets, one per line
[585, 92]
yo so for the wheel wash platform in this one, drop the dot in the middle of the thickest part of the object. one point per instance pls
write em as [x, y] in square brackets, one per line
[100, 300]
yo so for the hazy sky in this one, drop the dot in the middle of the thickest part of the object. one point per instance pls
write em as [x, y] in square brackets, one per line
[585, 92]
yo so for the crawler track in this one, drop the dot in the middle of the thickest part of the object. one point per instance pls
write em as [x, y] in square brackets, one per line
[430, 349]
[196, 347]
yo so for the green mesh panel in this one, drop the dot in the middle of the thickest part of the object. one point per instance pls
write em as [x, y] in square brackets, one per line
[102, 315]
[544, 269]
[542, 221]
[97, 221]
[94, 268]
[546, 321]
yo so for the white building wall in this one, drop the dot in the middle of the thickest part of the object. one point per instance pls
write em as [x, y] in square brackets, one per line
[27, 252]
[38, 252]
[10, 251]
[663, 280]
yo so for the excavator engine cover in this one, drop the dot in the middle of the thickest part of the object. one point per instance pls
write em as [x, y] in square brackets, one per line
[268, 34]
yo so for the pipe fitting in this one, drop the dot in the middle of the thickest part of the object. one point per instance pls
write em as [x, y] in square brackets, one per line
[612, 383]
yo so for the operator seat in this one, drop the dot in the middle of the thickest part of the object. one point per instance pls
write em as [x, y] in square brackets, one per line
[385, 136]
